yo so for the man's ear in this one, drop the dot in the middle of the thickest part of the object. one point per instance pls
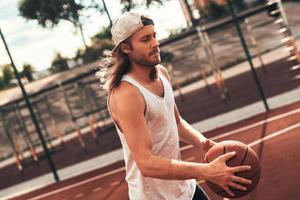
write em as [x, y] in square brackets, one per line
[125, 48]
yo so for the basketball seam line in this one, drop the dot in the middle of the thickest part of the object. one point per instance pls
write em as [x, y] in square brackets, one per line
[233, 190]
[245, 155]
[254, 173]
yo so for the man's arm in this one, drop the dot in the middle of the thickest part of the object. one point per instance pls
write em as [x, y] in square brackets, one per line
[186, 132]
[130, 114]
[190, 135]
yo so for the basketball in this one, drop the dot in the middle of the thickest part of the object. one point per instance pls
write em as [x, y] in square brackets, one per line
[244, 156]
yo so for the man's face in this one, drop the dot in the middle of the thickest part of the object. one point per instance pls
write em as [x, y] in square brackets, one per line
[145, 47]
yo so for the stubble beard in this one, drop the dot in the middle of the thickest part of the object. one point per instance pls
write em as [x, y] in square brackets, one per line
[147, 62]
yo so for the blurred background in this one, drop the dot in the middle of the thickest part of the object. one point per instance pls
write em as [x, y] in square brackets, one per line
[64, 130]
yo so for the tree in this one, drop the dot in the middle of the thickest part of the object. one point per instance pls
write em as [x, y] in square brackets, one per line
[104, 33]
[95, 51]
[2, 85]
[240, 5]
[50, 13]
[59, 64]
[216, 9]
[212, 11]
[7, 74]
[27, 72]
[129, 4]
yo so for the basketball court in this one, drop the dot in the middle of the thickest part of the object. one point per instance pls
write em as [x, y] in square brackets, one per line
[274, 136]
[236, 114]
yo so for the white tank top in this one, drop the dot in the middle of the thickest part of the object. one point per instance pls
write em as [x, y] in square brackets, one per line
[161, 121]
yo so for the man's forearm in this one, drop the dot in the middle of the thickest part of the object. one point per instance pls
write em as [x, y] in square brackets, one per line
[189, 134]
[164, 168]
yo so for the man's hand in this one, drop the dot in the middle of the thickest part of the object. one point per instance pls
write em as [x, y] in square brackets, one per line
[219, 173]
[208, 144]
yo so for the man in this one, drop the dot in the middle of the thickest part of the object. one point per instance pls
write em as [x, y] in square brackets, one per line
[141, 104]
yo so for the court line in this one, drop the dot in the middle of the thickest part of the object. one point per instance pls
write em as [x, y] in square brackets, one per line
[186, 148]
[277, 133]
[114, 183]
[77, 184]
[222, 135]
[257, 124]
[79, 195]
[97, 189]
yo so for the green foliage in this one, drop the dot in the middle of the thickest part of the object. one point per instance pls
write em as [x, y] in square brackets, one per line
[100, 42]
[176, 31]
[240, 5]
[49, 13]
[2, 84]
[95, 50]
[59, 64]
[27, 72]
[7, 74]
[103, 34]
[215, 11]
[89, 55]
[129, 4]
[166, 56]
[101, 45]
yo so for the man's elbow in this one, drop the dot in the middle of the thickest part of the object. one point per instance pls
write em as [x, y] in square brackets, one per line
[146, 168]
[146, 173]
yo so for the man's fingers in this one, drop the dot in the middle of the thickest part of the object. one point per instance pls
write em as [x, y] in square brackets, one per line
[228, 191]
[241, 180]
[241, 168]
[211, 143]
[237, 186]
[207, 142]
[227, 156]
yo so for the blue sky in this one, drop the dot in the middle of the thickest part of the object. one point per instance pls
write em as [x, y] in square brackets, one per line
[30, 43]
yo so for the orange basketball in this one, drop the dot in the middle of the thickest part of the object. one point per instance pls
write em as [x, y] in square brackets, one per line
[244, 156]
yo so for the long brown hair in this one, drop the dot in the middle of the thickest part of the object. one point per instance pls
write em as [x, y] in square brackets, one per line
[121, 66]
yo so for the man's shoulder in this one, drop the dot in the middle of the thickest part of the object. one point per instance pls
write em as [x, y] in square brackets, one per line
[125, 92]
[164, 71]
[161, 68]
[123, 97]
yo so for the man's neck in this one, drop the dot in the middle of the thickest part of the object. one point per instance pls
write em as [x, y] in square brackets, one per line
[141, 73]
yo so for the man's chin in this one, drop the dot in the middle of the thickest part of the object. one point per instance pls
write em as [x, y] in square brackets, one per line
[151, 63]
[157, 61]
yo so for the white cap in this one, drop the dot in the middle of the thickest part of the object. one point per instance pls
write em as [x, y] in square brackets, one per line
[128, 24]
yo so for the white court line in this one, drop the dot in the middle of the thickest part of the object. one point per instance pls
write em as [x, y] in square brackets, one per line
[277, 133]
[248, 127]
[78, 184]
[256, 124]
[272, 135]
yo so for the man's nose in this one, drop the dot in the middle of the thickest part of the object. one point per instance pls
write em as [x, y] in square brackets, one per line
[155, 43]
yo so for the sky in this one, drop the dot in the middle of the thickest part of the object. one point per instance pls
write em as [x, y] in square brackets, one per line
[31, 43]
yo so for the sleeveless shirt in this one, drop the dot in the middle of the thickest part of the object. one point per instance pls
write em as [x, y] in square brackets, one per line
[161, 121]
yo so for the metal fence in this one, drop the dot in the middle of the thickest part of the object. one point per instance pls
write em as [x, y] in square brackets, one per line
[73, 104]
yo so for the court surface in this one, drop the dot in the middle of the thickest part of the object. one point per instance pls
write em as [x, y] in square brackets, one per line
[275, 136]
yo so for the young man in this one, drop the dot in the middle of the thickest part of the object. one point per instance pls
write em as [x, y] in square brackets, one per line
[141, 104]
